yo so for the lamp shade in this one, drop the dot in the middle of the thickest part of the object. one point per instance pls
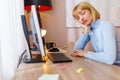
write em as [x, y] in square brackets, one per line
[42, 5]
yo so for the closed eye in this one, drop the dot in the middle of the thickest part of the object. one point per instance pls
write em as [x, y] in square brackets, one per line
[77, 18]
[82, 13]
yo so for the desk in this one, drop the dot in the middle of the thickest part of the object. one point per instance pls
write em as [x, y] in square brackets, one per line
[92, 70]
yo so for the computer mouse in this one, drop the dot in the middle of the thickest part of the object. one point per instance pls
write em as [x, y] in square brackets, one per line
[54, 50]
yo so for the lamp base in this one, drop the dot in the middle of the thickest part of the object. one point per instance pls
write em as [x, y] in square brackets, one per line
[36, 58]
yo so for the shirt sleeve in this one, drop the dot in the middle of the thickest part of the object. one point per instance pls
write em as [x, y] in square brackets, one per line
[108, 55]
[82, 41]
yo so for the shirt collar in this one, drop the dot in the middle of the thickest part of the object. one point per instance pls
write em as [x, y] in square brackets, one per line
[95, 24]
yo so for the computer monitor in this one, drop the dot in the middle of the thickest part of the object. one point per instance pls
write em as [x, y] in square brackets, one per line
[26, 33]
[36, 30]
[37, 38]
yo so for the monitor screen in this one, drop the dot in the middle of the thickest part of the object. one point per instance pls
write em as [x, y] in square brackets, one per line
[25, 30]
[35, 25]
[36, 30]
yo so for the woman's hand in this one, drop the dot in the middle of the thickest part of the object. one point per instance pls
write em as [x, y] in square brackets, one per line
[78, 53]
[86, 28]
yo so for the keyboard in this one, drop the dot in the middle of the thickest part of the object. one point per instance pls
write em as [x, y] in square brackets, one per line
[58, 57]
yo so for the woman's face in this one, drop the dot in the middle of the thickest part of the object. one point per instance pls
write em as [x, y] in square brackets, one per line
[84, 17]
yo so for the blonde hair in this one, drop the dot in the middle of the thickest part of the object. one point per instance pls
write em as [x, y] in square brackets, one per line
[88, 6]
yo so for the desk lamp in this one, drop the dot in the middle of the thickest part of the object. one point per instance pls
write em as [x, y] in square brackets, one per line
[40, 5]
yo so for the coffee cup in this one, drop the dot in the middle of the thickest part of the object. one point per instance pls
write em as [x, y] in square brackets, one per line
[50, 45]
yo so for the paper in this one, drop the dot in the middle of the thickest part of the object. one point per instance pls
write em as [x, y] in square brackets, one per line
[79, 70]
[49, 77]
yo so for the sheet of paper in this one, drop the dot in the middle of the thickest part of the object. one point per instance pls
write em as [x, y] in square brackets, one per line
[49, 77]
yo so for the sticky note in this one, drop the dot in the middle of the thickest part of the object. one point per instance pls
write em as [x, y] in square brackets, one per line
[79, 70]
[61, 67]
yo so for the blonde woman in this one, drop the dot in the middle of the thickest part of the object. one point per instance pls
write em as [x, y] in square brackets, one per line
[101, 33]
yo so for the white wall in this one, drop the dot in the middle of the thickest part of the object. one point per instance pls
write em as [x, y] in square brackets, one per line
[54, 22]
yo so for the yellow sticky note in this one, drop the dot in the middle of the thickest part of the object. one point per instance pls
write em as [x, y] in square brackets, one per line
[79, 70]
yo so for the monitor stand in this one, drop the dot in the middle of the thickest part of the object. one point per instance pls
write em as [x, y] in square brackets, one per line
[36, 58]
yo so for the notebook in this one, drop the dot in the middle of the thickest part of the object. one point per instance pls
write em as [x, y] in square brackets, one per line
[58, 57]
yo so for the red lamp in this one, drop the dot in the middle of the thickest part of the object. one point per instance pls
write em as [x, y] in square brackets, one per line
[42, 5]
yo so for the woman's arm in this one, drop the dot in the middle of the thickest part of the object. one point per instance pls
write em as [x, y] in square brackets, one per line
[108, 55]
[82, 41]
[80, 44]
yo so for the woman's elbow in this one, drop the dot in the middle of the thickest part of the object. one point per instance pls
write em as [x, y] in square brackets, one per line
[110, 61]
[111, 58]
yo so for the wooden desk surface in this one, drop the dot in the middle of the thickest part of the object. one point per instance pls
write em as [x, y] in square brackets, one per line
[92, 70]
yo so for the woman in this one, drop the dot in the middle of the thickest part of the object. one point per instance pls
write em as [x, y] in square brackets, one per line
[101, 33]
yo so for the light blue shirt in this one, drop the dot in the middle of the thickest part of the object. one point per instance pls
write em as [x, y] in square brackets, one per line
[104, 42]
